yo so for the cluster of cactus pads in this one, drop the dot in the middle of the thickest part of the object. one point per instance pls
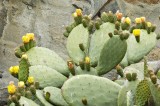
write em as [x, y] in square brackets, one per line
[95, 48]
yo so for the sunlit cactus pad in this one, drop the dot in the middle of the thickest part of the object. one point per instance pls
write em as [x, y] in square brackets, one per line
[96, 90]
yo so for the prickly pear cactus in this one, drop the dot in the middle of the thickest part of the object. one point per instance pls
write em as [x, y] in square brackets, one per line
[138, 44]
[93, 91]
[47, 76]
[39, 94]
[55, 96]
[25, 102]
[155, 91]
[23, 70]
[46, 57]
[98, 39]
[128, 86]
[136, 51]
[107, 53]
[143, 93]
[74, 40]
[92, 71]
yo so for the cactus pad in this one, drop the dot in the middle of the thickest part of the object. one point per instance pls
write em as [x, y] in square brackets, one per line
[136, 51]
[47, 76]
[23, 70]
[98, 39]
[79, 35]
[128, 86]
[46, 57]
[92, 71]
[112, 53]
[155, 91]
[97, 91]
[143, 93]
[25, 102]
[40, 96]
[55, 96]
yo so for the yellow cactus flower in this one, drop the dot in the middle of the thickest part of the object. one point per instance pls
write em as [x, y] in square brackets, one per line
[25, 39]
[21, 84]
[128, 20]
[11, 70]
[11, 88]
[30, 35]
[143, 19]
[15, 69]
[87, 60]
[136, 32]
[79, 12]
[138, 20]
[24, 56]
[149, 24]
[30, 80]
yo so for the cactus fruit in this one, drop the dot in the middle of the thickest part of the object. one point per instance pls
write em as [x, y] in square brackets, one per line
[92, 88]
[47, 76]
[55, 96]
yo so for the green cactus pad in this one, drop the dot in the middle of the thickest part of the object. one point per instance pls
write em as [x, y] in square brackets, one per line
[23, 70]
[112, 54]
[46, 76]
[92, 71]
[120, 82]
[25, 102]
[98, 39]
[44, 56]
[40, 96]
[136, 51]
[79, 35]
[155, 91]
[122, 97]
[130, 100]
[98, 91]
[142, 93]
[140, 73]
[55, 96]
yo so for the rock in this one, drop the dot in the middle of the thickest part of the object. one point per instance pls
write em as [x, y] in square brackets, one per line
[90, 6]
[46, 18]
[112, 6]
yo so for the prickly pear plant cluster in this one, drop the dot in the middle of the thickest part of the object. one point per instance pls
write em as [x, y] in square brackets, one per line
[95, 47]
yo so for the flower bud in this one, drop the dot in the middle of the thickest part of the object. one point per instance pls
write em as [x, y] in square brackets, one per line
[21, 84]
[24, 56]
[84, 101]
[30, 80]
